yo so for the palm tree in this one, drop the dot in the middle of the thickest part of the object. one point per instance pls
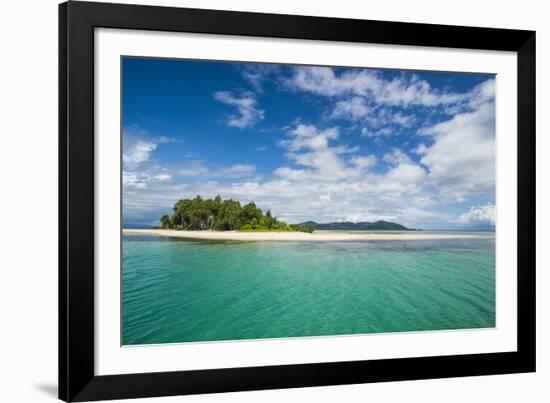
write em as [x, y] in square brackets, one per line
[165, 221]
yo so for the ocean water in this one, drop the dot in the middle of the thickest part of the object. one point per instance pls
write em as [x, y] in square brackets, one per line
[176, 290]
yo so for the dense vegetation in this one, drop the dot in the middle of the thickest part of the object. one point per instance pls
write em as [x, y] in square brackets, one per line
[200, 214]
[358, 226]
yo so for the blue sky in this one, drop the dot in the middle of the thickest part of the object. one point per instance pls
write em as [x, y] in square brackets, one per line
[309, 143]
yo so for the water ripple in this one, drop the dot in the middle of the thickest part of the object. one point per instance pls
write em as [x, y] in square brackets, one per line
[178, 291]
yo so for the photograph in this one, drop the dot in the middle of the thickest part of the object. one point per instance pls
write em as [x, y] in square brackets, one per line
[264, 201]
[285, 201]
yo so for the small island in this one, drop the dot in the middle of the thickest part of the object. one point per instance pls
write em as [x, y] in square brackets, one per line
[216, 214]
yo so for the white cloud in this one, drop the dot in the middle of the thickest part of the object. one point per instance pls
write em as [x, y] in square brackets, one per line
[385, 131]
[403, 120]
[256, 74]
[386, 118]
[408, 174]
[309, 147]
[153, 176]
[479, 215]
[364, 162]
[405, 90]
[461, 160]
[396, 157]
[133, 180]
[139, 145]
[139, 172]
[191, 168]
[144, 178]
[248, 113]
[162, 177]
[236, 171]
[404, 177]
[309, 137]
[421, 149]
[354, 108]
[188, 169]
[137, 153]
[199, 169]
[292, 174]
[383, 104]
[482, 93]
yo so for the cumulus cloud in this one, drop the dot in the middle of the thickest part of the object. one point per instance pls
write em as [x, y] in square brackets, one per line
[141, 173]
[421, 149]
[139, 145]
[479, 215]
[143, 178]
[461, 160]
[133, 180]
[137, 153]
[354, 108]
[404, 90]
[309, 137]
[256, 74]
[324, 180]
[248, 112]
[397, 157]
[310, 148]
[407, 174]
[364, 161]
[383, 105]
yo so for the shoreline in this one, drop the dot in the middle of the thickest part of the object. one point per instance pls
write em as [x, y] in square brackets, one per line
[296, 236]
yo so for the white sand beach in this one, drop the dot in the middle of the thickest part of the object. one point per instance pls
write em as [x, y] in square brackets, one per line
[299, 236]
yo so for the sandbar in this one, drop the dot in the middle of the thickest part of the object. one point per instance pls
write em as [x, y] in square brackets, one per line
[300, 236]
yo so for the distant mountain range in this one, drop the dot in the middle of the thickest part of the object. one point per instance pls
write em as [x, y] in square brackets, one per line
[358, 226]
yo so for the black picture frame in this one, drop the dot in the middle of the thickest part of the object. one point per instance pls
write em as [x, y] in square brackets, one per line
[77, 379]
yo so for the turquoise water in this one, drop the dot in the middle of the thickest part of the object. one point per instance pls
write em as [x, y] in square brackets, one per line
[177, 290]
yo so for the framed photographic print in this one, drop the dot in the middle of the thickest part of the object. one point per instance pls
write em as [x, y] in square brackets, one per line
[254, 201]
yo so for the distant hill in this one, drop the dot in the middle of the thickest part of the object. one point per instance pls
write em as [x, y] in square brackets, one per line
[358, 226]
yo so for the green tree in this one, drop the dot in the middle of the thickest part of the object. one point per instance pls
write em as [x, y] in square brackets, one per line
[231, 212]
[165, 221]
[223, 215]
